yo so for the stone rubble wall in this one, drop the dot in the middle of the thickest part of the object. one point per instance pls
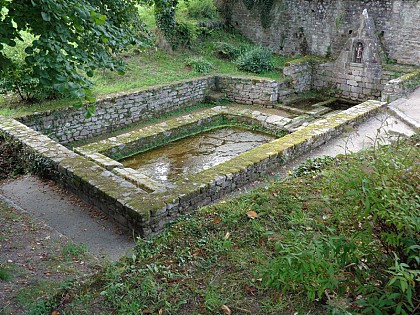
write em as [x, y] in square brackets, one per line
[355, 83]
[300, 72]
[118, 110]
[146, 213]
[250, 91]
[123, 109]
[321, 27]
[400, 87]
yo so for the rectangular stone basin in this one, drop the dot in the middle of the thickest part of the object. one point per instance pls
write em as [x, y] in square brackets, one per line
[191, 155]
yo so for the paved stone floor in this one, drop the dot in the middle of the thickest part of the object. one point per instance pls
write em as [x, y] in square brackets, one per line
[408, 109]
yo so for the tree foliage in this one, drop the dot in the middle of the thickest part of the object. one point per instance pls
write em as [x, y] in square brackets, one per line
[165, 15]
[71, 38]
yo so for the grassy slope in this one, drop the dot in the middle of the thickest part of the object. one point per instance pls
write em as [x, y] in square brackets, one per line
[153, 67]
[236, 254]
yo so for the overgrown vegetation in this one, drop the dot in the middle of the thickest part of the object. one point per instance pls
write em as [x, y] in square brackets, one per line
[202, 41]
[343, 240]
[202, 9]
[256, 60]
[69, 42]
[199, 65]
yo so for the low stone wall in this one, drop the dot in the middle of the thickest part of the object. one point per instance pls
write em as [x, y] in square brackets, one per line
[93, 183]
[250, 91]
[300, 72]
[400, 87]
[146, 213]
[122, 109]
[119, 110]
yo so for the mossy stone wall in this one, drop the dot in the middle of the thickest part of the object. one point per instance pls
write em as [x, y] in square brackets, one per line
[122, 109]
[146, 213]
[321, 27]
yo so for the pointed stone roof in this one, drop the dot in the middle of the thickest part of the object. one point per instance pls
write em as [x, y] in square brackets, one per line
[363, 46]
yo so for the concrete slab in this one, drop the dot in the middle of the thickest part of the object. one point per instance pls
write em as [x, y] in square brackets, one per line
[408, 109]
[67, 214]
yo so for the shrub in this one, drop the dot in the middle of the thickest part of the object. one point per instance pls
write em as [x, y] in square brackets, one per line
[227, 51]
[185, 33]
[202, 9]
[18, 77]
[200, 65]
[256, 60]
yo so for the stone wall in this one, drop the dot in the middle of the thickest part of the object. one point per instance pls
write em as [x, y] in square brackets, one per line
[400, 87]
[122, 109]
[300, 72]
[145, 213]
[357, 82]
[321, 27]
[119, 110]
[250, 91]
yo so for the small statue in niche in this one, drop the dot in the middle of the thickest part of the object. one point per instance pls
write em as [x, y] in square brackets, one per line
[359, 53]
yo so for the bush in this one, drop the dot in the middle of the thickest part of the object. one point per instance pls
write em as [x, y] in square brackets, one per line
[256, 60]
[185, 33]
[200, 65]
[202, 9]
[18, 77]
[227, 51]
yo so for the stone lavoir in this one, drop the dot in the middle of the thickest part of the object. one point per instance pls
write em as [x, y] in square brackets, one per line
[144, 204]
[102, 182]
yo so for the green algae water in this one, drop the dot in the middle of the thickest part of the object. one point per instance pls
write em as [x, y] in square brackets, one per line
[196, 153]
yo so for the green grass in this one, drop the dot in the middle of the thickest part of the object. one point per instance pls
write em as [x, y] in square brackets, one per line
[151, 67]
[323, 242]
[154, 67]
[6, 273]
[74, 251]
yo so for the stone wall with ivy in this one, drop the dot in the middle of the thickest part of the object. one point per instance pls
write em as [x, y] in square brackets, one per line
[321, 27]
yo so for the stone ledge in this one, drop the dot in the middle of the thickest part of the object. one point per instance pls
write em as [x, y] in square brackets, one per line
[144, 213]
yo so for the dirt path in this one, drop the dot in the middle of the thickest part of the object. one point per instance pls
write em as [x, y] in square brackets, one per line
[35, 260]
[48, 237]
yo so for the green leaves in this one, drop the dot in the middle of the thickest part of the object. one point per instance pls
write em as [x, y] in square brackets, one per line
[97, 18]
[70, 41]
[45, 16]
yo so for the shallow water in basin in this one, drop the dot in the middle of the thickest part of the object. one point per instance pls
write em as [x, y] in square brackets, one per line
[196, 153]
[305, 104]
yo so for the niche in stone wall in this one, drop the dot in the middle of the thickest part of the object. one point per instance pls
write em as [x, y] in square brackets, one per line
[358, 48]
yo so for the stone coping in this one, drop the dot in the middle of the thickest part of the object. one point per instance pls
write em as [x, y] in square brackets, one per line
[105, 152]
[166, 127]
[144, 213]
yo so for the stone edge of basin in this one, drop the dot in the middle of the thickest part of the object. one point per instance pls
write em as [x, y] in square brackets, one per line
[134, 209]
